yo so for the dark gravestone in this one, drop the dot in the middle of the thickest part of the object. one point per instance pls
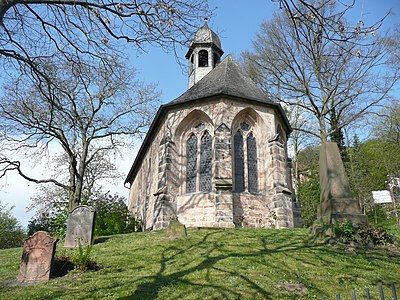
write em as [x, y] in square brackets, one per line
[80, 227]
[337, 201]
[37, 257]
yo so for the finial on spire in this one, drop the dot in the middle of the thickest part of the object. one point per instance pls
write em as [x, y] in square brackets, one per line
[205, 20]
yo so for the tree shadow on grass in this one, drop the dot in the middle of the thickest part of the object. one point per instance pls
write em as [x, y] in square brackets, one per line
[211, 263]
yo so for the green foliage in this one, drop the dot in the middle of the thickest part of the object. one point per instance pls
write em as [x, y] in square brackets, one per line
[309, 197]
[378, 236]
[363, 234]
[112, 214]
[55, 223]
[11, 232]
[381, 215]
[51, 205]
[81, 257]
[308, 192]
[345, 229]
[368, 168]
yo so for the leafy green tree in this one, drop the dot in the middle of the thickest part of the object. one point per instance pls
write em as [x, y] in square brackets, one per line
[308, 187]
[370, 164]
[308, 196]
[11, 232]
[112, 215]
[51, 205]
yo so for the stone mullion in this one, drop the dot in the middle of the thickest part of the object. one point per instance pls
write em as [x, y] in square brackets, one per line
[245, 159]
[198, 136]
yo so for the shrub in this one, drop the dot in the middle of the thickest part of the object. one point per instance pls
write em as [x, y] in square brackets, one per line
[81, 258]
[378, 236]
[11, 232]
[345, 229]
[362, 234]
[309, 197]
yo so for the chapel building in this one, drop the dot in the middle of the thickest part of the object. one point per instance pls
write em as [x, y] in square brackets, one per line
[216, 156]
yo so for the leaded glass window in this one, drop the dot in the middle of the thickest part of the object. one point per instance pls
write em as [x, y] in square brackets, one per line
[191, 164]
[205, 162]
[244, 126]
[252, 163]
[239, 162]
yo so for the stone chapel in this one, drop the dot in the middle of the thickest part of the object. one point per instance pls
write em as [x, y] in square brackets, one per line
[216, 156]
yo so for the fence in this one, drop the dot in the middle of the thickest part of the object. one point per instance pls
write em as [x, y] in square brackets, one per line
[368, 296]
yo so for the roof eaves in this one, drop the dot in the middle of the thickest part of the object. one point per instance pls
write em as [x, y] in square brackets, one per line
[148, 138]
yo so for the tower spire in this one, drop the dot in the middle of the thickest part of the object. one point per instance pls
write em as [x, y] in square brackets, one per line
[204, 53]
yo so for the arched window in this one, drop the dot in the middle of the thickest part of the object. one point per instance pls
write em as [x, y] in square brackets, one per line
[203, 58]
[239, 162]
[205, 162]
[191, 163]
[245, 159]
[199, 155]
[252, 163]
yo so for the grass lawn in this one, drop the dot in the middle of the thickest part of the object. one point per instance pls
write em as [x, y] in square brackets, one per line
[214, 264]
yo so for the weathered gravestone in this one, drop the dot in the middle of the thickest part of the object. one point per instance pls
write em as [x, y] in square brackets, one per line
[176, 229]
[37, 257]
[337, 201]
[80, 227]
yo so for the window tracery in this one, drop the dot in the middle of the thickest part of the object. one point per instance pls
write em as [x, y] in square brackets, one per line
[239, 162]
[199, 156]
[245, 159]
[191, 163]
[252, 163]
[205, 162]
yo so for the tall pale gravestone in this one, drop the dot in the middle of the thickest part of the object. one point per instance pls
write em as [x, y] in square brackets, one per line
[37, 257]
[80, 227]
[337, 201]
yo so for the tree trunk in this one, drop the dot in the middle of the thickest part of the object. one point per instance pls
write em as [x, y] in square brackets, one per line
[72, 183]
[81, 174]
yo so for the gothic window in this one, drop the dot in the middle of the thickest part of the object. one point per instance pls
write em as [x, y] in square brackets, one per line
[205, 162]
[239, 162]
[199, 154]
[191, 167]
[203, 58]
[252, 163]
[245, 160]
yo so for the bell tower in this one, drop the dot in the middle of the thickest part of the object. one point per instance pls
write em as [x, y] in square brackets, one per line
[204, 54]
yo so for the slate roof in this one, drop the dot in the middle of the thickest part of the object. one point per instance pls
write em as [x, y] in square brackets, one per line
[226, 79]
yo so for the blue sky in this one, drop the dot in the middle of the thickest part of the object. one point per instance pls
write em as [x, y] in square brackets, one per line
[236, 22]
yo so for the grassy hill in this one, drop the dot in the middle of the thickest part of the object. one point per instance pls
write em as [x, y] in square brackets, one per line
[214, 264]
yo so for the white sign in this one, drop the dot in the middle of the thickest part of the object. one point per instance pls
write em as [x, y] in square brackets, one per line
[382, 196]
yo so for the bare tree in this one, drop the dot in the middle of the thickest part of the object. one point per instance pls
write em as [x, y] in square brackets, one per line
[335, 76]
[330, 26]
[88, 110]
[31, 30]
